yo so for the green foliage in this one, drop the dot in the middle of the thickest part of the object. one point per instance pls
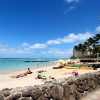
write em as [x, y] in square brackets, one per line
[90, 45]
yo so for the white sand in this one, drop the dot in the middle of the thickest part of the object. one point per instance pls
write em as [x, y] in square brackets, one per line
[29, 80]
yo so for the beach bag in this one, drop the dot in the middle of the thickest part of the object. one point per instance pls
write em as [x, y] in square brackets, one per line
[39, 77]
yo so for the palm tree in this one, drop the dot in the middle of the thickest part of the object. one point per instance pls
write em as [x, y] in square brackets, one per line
[92, 44]
[82, 49]
[91, 41]
[97, 37]
[88, 46]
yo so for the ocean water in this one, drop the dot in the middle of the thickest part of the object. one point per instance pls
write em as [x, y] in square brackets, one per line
[14, 64]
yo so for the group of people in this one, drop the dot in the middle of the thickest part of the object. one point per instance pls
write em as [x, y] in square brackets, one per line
[23, 74]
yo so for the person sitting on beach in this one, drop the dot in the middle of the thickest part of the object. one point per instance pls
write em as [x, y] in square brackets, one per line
[29, 71]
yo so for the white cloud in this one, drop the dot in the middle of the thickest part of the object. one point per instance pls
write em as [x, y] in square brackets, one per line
[70, 38]
[58, 52]
[23, 49]
[36, 46]
[56, 41]
[3, 45]
[25, 44]
[70, 1]
[14, 51]
[27, 49]
[97, 29]
[69, 9]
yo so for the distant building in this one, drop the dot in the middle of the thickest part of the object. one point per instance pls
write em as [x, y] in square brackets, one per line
[78, 54]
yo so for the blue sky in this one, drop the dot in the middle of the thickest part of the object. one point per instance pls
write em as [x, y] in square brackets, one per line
[46, 28]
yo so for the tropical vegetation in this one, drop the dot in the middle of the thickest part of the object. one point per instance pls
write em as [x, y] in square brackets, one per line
[90, 48]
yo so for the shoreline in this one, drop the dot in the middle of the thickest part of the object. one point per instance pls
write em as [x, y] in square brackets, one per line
[25, 68]
[29, 80]
[7, 82]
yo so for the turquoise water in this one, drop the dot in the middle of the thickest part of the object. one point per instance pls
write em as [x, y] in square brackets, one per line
[14, 64]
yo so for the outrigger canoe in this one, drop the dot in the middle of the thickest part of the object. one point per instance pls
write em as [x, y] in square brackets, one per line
[76, 68]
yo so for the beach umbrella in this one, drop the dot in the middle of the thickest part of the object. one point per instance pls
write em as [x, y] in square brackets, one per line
[68, 60]
[62, 61]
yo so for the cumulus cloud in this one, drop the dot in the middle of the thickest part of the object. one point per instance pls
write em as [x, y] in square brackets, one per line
[97, 29]
[26, 48]
[70, 38]
[70, 1]
[56, 41]
[14, 51]
[25, 44]
[3, 45]
[58, 52]
[36, 46]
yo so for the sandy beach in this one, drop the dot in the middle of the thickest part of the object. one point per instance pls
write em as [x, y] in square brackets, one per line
[29, 80]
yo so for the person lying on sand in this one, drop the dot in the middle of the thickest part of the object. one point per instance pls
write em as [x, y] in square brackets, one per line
[74, 73]
[40, 71]
[22, 75]
[17, 76]
[29, 71]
